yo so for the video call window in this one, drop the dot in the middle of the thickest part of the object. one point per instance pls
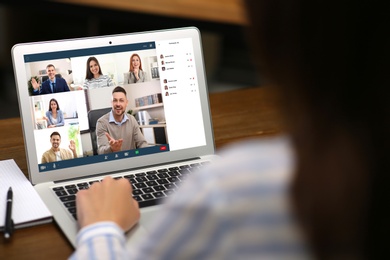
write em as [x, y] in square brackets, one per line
[82, 93]
[69, 91]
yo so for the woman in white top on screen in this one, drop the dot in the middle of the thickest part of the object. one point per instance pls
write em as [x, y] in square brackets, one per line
[54, 115]
[94, 77]
[135, 74]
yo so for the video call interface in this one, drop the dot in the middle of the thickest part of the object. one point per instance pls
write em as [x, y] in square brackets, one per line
[162, 91]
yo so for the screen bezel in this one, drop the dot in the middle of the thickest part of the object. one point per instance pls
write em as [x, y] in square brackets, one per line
[18, 52]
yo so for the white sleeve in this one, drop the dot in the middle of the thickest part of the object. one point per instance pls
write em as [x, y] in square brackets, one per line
[102, 240]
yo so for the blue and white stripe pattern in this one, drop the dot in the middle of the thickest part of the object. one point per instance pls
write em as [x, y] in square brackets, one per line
[236, 208]
[100, 82]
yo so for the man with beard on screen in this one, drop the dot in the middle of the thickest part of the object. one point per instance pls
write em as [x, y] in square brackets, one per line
[116, 131]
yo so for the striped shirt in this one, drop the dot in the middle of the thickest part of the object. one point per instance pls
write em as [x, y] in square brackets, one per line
[100, 82]
[236, 208]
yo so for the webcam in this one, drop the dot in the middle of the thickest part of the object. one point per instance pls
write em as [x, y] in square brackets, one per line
[110, 42]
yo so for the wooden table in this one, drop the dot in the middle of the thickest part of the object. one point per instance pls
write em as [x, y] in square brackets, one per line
[221, 11]
[236, 115]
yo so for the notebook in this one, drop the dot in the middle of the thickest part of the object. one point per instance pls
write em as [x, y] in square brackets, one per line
[163, 75]
[27, 209]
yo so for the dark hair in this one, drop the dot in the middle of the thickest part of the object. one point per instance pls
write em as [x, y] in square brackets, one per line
[53, 99]
[50, 65]
[55, 133]
[89, 74]
[119, 89]
[330, 65]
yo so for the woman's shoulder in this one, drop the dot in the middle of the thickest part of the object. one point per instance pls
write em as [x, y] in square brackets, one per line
[273, 155]
[87, 80]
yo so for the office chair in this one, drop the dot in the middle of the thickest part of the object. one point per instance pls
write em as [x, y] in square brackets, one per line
[93, 116]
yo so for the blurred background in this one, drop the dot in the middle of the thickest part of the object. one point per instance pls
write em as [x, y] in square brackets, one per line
[221, 22]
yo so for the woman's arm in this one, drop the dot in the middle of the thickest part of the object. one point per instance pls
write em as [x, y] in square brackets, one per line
[142, 76]
[60, 118]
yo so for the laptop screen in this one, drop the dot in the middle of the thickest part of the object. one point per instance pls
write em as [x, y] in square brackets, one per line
[68, 104]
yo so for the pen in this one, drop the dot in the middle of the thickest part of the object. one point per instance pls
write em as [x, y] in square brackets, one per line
[8, 227]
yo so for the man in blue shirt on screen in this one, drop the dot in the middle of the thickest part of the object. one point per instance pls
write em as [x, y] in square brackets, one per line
[52, 85]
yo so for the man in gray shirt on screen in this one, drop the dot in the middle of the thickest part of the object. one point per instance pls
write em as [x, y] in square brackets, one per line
[115, 131]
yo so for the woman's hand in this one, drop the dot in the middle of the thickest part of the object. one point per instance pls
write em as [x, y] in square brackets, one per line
[136, 73]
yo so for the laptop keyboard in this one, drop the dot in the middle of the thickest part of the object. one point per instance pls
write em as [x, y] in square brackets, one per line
[149, 187]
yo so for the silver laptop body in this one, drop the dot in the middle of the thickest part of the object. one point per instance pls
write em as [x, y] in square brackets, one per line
[170, 105]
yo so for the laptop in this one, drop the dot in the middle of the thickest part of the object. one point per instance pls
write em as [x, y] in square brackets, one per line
[169, 102]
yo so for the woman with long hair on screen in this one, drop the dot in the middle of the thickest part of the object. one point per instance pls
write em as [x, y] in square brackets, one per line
[135, 73]
[54, 116]
[94, 77]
